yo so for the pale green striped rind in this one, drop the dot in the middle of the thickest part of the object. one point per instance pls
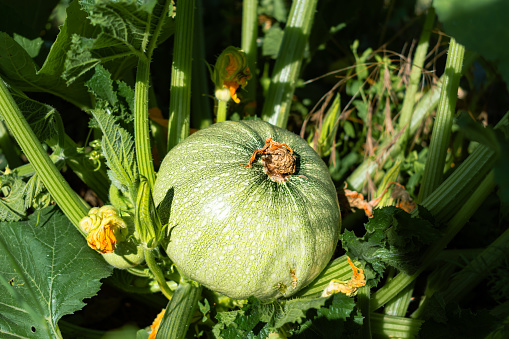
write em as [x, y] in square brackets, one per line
[233, 229]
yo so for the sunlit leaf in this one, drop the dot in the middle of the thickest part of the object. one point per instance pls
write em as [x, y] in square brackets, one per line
[118, 148]
[12, 204]
[125, 30]
[47, 271]
[19, 70]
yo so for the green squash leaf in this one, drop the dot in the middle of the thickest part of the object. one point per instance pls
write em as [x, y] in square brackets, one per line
[126, 29]
[118, 148]
[289, 311]
[47, 270]
[328, 321]
[115, 97]
[32, 47]
[481, 26]
[101, 84]
[12, 204]
[41, 117]
[393, 238]
[239, 323]
[76, 23]
[20, 71]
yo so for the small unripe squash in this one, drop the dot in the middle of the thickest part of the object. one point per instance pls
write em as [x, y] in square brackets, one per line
[266, 230]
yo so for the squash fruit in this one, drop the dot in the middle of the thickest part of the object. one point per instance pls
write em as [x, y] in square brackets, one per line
[243, 231]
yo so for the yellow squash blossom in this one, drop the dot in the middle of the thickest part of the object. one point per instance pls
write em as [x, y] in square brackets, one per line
[104, 228]
[230, 72]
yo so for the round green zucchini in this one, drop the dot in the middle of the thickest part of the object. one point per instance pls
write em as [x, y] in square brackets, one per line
[266, 230]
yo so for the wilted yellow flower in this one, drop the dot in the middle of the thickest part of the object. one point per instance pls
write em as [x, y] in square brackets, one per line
[230, 72]
[350, 287]
[105, 228]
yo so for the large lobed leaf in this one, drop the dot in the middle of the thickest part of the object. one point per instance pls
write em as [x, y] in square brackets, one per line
[126, 27]
[18, 68]
[393, 238]
[20, 71]
[47, 270]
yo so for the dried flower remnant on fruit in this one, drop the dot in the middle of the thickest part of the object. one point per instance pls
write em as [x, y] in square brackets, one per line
[155, 325]
[277, 159]
[105, 228]
[230, 72]
[349, 287]
[293, 274]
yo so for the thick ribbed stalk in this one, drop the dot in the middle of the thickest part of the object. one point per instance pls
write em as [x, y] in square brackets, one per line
[248, 43]
[180, 310]
[440, 138]
[180, 92]
[388, 326]
[276, 109]
[141, 129]
[68, 201]
[415, 75]
[363, 304]
[399, 305]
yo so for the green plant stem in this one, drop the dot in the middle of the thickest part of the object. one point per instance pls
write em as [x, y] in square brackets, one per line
[399, 305]
[221, 110]
[401, 281]
[158, 274]
[415, 75]
[440, 137]
[363, 304]
[248, 43]
[388, 326]
[180, 92]
[200, 101]
[276, 109]
[141, 128]
[454, 191]
[141, 124]
[68, 201]
[180, 310]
